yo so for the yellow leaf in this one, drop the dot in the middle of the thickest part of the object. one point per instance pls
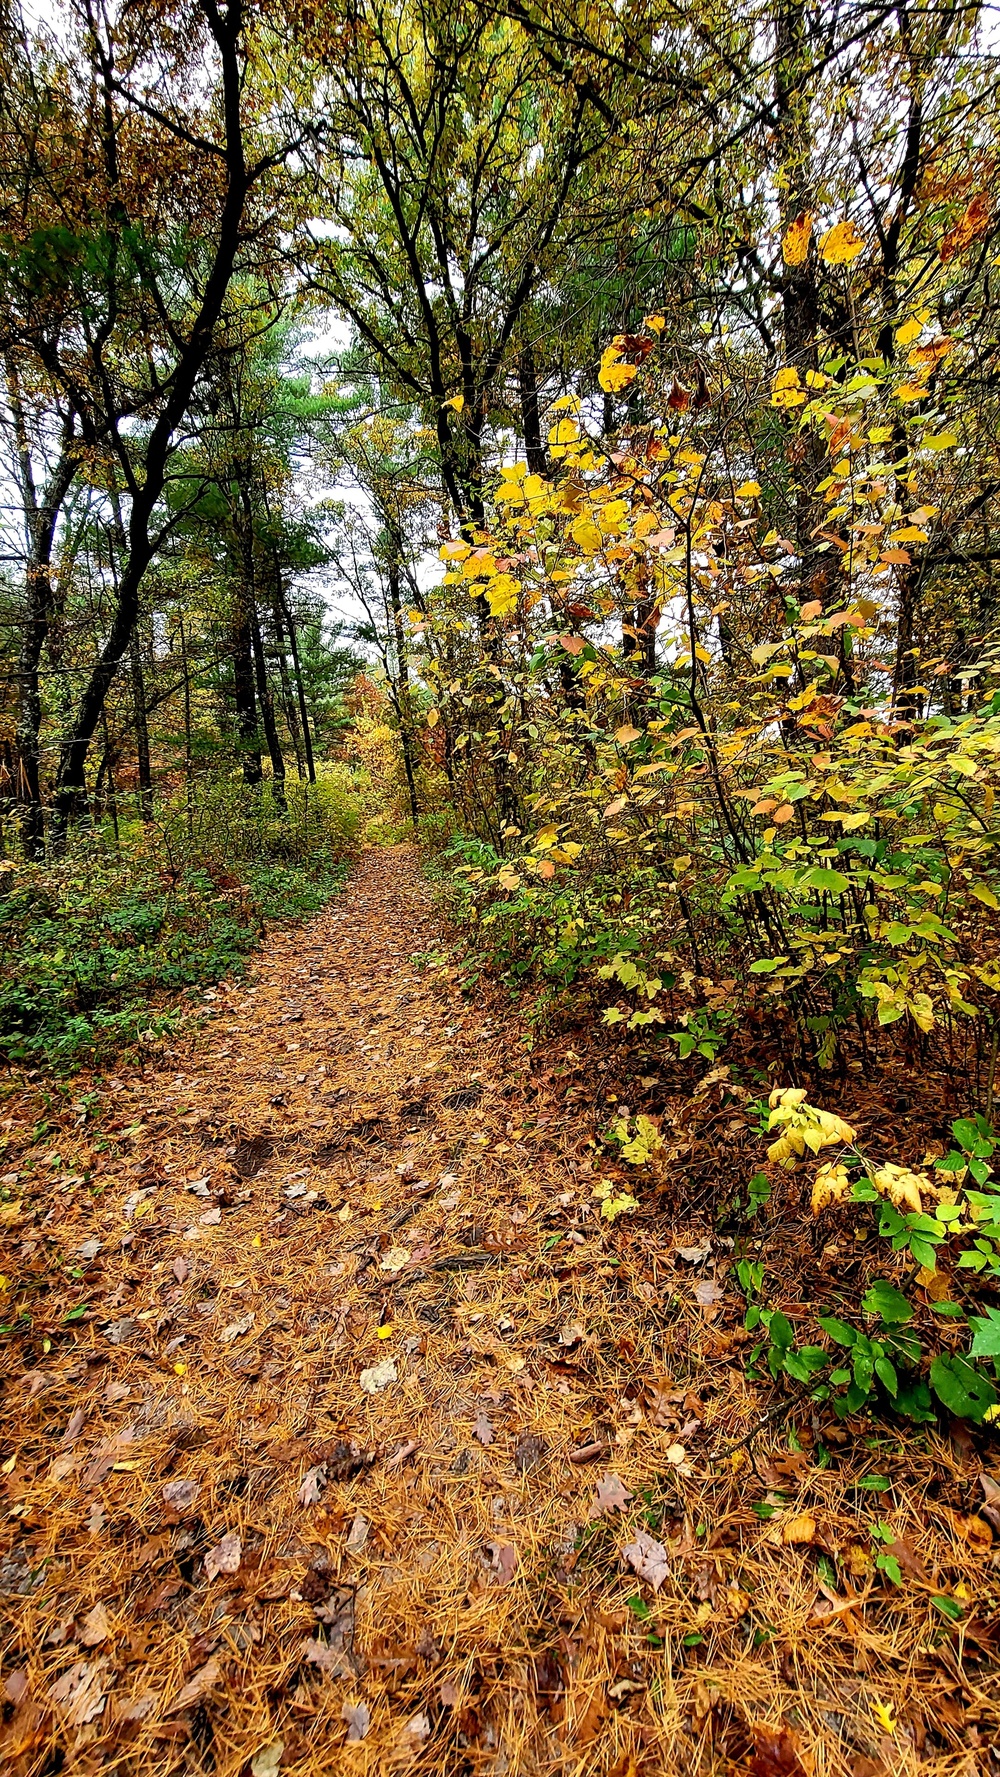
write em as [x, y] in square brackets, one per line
[585, 532]
[615, 377]
[939, 441]
[433, 718]
[749, 490]
[455, 551]
[910, 392]
[884, 1716]
[626, 733]
[841, 244]
[801, 1529]
[384, 1332]
[909, 331]
[502, 595]
[256, 1241]
[457, 402]
[795, 246]
[564, 432]
[984, 893]
[655, 323]
[785, 391]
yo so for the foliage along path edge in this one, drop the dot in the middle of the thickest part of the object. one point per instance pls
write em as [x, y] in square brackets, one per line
[343, 1421]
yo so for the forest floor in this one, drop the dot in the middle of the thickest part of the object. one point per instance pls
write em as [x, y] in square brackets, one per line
[341, 1435]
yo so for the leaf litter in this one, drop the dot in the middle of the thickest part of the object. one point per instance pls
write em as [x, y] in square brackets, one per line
[201, 1526]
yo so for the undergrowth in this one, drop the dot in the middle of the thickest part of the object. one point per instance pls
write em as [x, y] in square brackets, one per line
[98, 948]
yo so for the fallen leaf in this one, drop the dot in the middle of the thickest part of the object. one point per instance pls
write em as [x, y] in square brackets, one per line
[135, 1709]
[15, 1687]
[358, 1718]
[706, 1292]
[358, 1535]
[77, 1421]
[181, 1495]
[211, 1218]
[990, 1507]
[800, 1529]
[330, 1660]
[612, 1495]
[237, 1328]
[379, 1376]
[181, 1270]
[266, 1762]
[648, 1558]
[95, 1627]
[503, 1563]
[449, 1694]
[197, 1687]
[776, 1752]
[79, 1695]
[483, 1430]
[404, 1452]
[313, 1482]
[395, 1259]
[693, 1255]
[418, 1727]
[529, 1452]
[225, 1557]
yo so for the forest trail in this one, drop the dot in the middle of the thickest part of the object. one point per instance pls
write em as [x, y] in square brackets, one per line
[357, 1431]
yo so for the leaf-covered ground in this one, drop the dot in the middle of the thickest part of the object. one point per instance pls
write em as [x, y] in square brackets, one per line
[341, 1434]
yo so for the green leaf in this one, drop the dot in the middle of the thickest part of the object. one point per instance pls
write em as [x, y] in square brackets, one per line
[883, 1299]
[949, 1607]
[837, 1329]
[886, 1373]
[962, 1389]
[830, 882]
[986, 1342]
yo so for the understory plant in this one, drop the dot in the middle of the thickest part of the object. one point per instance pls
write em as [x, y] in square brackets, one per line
[930, 1332]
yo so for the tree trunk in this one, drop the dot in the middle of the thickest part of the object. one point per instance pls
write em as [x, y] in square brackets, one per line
[403, 676]
[225, 28]
[267, 711]
[531, 425]
[40, 517]
[287, 700]
[799, 293]
[141, 732]
[299, 683]
[248, 734]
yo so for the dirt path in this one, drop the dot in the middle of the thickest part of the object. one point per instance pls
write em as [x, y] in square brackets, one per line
[326, 1362]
